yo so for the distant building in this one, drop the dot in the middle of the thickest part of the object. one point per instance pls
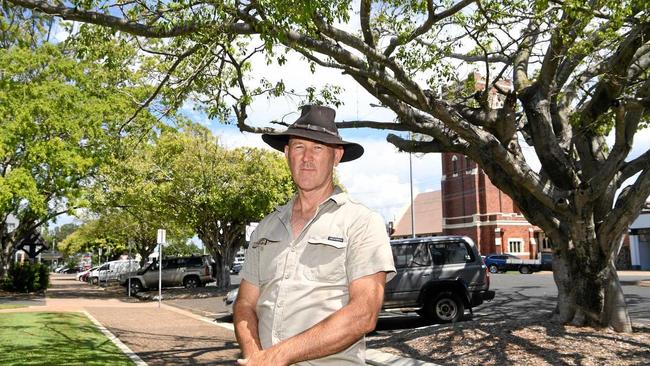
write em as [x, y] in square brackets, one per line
[639, 240]
[472, 206]
[428, 217]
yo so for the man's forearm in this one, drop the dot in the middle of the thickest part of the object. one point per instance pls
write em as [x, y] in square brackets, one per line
[332, 335]
[246, 330]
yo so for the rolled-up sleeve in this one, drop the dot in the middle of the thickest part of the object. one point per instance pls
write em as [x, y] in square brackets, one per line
[369, 248]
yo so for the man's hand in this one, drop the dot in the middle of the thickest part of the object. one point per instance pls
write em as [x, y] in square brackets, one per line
[263, 358]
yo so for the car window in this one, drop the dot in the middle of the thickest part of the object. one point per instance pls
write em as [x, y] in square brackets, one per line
[451, 253]
[195, 262]
[411, 255]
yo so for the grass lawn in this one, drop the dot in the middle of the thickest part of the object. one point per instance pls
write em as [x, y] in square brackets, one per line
[11, 306]
[55, 339]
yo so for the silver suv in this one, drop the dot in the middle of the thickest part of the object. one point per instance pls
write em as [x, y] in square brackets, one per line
[439, 277]
[190, 272]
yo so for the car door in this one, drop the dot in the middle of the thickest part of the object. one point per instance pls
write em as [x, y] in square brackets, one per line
[413, 266]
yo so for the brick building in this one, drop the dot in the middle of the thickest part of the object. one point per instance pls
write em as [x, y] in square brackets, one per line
[474, 207]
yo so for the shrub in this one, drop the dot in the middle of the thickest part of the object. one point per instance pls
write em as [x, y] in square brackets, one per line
[27, 277]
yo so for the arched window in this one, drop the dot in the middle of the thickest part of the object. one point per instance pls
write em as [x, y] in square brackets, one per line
[454, 165]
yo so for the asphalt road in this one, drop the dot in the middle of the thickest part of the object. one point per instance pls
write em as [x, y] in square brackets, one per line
[515, 291]
[525, 296]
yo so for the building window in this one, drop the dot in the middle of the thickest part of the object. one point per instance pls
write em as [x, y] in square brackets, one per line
[454, 165]
[515, 246]
[546, 243]
[468, 165]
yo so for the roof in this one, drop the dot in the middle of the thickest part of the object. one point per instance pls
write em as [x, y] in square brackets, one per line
[428, 216]
[641, 222]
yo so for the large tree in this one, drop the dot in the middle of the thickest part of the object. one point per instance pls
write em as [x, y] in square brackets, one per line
[579, 72]
[60, 118]
[218, 191]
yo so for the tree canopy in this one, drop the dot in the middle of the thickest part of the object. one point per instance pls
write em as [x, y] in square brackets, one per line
[578, 71]
[61, 119]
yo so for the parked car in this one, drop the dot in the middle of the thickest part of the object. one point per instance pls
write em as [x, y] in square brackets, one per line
[235, 268]
[111, 271]
[84, 276]
[439, 277]
[504, 262]
[189, 272]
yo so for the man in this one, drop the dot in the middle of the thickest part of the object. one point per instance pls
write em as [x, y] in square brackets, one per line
[313, 279]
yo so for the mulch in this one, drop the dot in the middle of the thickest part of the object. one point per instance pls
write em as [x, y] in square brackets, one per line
[519, 342]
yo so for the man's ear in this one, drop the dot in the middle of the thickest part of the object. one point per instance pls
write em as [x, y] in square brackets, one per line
[338, 155]
[286, 151]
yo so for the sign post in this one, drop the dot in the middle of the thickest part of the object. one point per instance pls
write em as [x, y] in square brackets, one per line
[130, 267]
[161, 241]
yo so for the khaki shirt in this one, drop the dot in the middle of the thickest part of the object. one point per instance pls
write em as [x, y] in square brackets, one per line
[303, 280]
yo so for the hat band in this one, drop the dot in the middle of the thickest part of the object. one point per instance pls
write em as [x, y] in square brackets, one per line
[315, 128]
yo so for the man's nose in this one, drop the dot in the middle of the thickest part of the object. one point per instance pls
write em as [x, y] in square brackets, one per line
[308, 155]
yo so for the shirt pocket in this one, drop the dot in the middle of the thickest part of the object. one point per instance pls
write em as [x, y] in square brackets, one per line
[324, 259]
[269, 253]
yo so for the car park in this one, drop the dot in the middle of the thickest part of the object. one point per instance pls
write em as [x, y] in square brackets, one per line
[437, 277]
[193, 271]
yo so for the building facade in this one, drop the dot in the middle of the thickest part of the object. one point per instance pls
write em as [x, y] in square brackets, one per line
[472, 206]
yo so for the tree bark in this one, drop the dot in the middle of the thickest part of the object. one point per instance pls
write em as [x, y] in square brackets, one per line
[589, 291]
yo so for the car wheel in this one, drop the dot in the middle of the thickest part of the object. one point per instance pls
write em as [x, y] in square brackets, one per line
[191, 282]
[493, 268]
[445, 307]
[136, 286]
[524, 270]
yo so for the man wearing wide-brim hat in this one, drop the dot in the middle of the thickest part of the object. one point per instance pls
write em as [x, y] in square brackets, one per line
[313, 279]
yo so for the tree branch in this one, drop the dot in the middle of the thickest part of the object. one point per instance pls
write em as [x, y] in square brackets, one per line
[432, 18]
[130, 26]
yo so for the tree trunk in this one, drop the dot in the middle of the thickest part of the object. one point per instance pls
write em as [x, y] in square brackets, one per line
[589, 291]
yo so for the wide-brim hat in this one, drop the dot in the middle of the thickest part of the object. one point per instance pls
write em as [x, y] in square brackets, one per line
[315, 123]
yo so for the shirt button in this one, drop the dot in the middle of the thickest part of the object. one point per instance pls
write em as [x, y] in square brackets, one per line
[286, 276]
[293, 249]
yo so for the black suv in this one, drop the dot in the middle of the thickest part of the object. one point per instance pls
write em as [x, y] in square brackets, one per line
[439, 277]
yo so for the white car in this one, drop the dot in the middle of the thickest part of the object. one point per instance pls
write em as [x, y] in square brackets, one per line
[111, 271]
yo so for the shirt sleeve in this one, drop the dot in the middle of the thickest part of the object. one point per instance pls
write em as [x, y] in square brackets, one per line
[251, 267]
[369, 248]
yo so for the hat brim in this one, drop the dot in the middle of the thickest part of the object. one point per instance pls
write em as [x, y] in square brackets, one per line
[278, 141]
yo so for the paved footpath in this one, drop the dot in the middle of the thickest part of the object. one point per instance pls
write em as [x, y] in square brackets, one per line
[159, 336]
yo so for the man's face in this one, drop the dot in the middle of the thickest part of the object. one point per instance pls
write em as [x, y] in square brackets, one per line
[312, 163]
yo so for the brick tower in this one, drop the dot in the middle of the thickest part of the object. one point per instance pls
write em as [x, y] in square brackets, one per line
[474, 207]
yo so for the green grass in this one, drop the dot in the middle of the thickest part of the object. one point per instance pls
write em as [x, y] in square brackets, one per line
[55, 339]
[11, 306]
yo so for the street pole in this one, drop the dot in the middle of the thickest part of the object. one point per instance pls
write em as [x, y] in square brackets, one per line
[130, 267]
[161, 241]
[412, 201]
[159, 274]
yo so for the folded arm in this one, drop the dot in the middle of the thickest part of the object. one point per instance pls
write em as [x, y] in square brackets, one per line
[333, 334]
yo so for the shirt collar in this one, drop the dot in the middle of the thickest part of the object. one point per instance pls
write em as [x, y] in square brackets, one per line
[338, 196]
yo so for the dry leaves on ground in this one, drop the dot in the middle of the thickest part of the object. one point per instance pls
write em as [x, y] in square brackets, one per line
[525, 342]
